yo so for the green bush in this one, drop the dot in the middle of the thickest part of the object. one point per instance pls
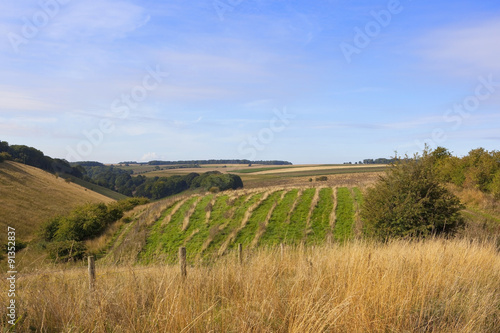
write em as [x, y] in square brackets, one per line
[214, 189]
[409, 201]
[87, 221]
[495, 185]
[476, 170]
[66, 250]
[222, 181]
[128, 204]
[49, 228]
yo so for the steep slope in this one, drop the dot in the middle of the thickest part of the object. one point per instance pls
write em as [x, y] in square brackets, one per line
[29, 195]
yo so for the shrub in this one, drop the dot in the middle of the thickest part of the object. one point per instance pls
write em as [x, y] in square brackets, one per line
[495, 185]
[49, 228]
[128, 204]
[214, 189]
[66, 250]
[322, 179]
[222, 181]
[410, 201]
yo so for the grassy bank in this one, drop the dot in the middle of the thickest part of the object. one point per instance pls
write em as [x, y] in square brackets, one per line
[431, 286]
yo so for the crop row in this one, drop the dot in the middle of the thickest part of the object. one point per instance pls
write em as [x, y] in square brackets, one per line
[210, 225]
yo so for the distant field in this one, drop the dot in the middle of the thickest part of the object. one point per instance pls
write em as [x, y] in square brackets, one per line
[320, 169]
[29, 195]
[263, 169]
[179, 169]
[264, 175]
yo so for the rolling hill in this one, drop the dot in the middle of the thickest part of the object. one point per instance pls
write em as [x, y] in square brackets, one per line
[211, 225]
[29, 195]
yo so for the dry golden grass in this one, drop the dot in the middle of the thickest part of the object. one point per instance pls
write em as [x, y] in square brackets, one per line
[336, 180]
[473, 197]
[431, 286]
[28, 196]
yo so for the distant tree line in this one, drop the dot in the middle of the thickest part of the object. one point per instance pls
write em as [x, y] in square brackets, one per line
[199, 162]
[378, 161]
[117, 179]
[121, 181]
[34, 157]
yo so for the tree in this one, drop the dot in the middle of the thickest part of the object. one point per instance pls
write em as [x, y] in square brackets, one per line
[410, 201]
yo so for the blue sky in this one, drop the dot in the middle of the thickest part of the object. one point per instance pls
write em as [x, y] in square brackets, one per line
[307, 82]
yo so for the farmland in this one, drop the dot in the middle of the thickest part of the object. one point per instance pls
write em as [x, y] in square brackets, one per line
[305, 266]
[211, 225]
[263, 175]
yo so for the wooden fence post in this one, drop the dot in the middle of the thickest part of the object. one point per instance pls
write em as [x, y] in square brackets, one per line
[182, 261]
[282, 246]
[240, 253]
[91, 273]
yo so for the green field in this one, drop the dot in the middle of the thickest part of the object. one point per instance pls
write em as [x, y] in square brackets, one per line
[210, 225]
[345, 215]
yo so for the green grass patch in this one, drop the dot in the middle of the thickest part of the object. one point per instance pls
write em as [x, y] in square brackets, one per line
[165, 240]
[345, 215]
[247, 234]
[358, 196]
[276, 230]
[197, 224]
[232, 222]
[320, 219]
[296, 229]
[195, 244]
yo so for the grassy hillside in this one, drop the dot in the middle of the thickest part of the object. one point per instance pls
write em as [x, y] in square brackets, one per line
[98, 189]
[29, 195]
[432, 286]
[212, 225]
[317, 282]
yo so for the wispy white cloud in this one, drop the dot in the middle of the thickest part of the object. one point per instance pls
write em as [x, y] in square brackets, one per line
[99, 20]
[150, 156]
[17, 100]
[470, 49]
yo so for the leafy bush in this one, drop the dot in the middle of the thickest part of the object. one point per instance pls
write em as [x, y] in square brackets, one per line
[87, 221]
[214, 189]
[322, 179]
[222, 181]
[409, 200]
[4, 156]
[66, 250]
[495, 185]
[128, 204]
[476, 170]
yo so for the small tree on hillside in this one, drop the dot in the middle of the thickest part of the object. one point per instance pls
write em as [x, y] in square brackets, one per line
[410, 201]
[4, 156]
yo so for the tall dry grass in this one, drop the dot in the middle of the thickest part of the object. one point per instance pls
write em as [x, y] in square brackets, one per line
[427, 286]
